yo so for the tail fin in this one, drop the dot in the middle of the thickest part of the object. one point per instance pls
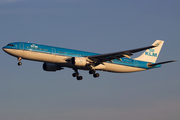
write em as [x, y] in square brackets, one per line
[151, 55]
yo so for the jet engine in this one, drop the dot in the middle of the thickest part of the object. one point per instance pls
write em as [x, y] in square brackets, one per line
[79, 61]
[51, 67]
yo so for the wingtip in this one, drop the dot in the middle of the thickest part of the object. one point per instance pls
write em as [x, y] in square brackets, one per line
[174, 60]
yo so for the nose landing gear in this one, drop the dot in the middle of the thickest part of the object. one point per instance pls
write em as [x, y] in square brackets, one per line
[19, 63]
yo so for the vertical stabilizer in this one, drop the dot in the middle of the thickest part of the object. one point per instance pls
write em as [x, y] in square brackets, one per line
[151, 55]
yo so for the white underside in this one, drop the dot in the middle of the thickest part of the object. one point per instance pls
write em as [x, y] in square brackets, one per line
[62, 60]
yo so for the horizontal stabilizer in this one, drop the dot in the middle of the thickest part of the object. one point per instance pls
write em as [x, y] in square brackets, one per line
[152, 65]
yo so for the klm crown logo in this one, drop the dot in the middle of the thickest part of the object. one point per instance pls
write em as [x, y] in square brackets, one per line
[157, 44]
[34, 46]
[151, 50]
[151, 53]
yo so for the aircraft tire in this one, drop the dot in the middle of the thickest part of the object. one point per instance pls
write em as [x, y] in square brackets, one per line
[75, 74]
[92, 71]
[79, 78]
[96, 75]
[19, 63]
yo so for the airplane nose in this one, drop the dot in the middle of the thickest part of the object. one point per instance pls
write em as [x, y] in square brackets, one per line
[4, 49]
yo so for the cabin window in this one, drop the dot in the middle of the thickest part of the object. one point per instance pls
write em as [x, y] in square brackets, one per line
[62, 52]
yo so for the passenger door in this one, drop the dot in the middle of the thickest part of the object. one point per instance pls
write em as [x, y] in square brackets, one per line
[21, 46]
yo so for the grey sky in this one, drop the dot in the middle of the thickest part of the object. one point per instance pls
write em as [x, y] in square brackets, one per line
[29, 93]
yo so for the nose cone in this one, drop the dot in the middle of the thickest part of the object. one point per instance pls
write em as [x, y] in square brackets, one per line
[9, 48]
[4, 48]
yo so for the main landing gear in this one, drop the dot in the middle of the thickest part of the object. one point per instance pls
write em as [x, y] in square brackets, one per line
[95, 75]
[19, 59]
[76, 74]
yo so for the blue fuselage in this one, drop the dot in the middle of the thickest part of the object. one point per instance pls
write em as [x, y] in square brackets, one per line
[28, 49]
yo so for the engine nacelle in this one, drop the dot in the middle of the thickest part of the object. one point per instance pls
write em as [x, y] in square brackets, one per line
[51, 67]
[79, 61]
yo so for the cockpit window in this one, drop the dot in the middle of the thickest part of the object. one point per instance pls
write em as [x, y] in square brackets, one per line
[10, 45]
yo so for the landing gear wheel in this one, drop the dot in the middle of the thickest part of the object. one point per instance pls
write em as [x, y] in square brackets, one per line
[92, 72]
[19, 63]
[79, 78]
[75, 74]
[96, 75]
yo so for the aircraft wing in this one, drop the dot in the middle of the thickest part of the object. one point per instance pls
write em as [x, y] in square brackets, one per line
[117, 55]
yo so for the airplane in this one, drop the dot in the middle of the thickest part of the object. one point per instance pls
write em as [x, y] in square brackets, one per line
[55, 58]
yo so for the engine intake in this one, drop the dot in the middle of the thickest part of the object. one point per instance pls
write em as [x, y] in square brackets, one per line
[51, 67]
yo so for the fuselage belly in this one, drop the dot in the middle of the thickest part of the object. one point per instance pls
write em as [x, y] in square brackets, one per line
[62, 61]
